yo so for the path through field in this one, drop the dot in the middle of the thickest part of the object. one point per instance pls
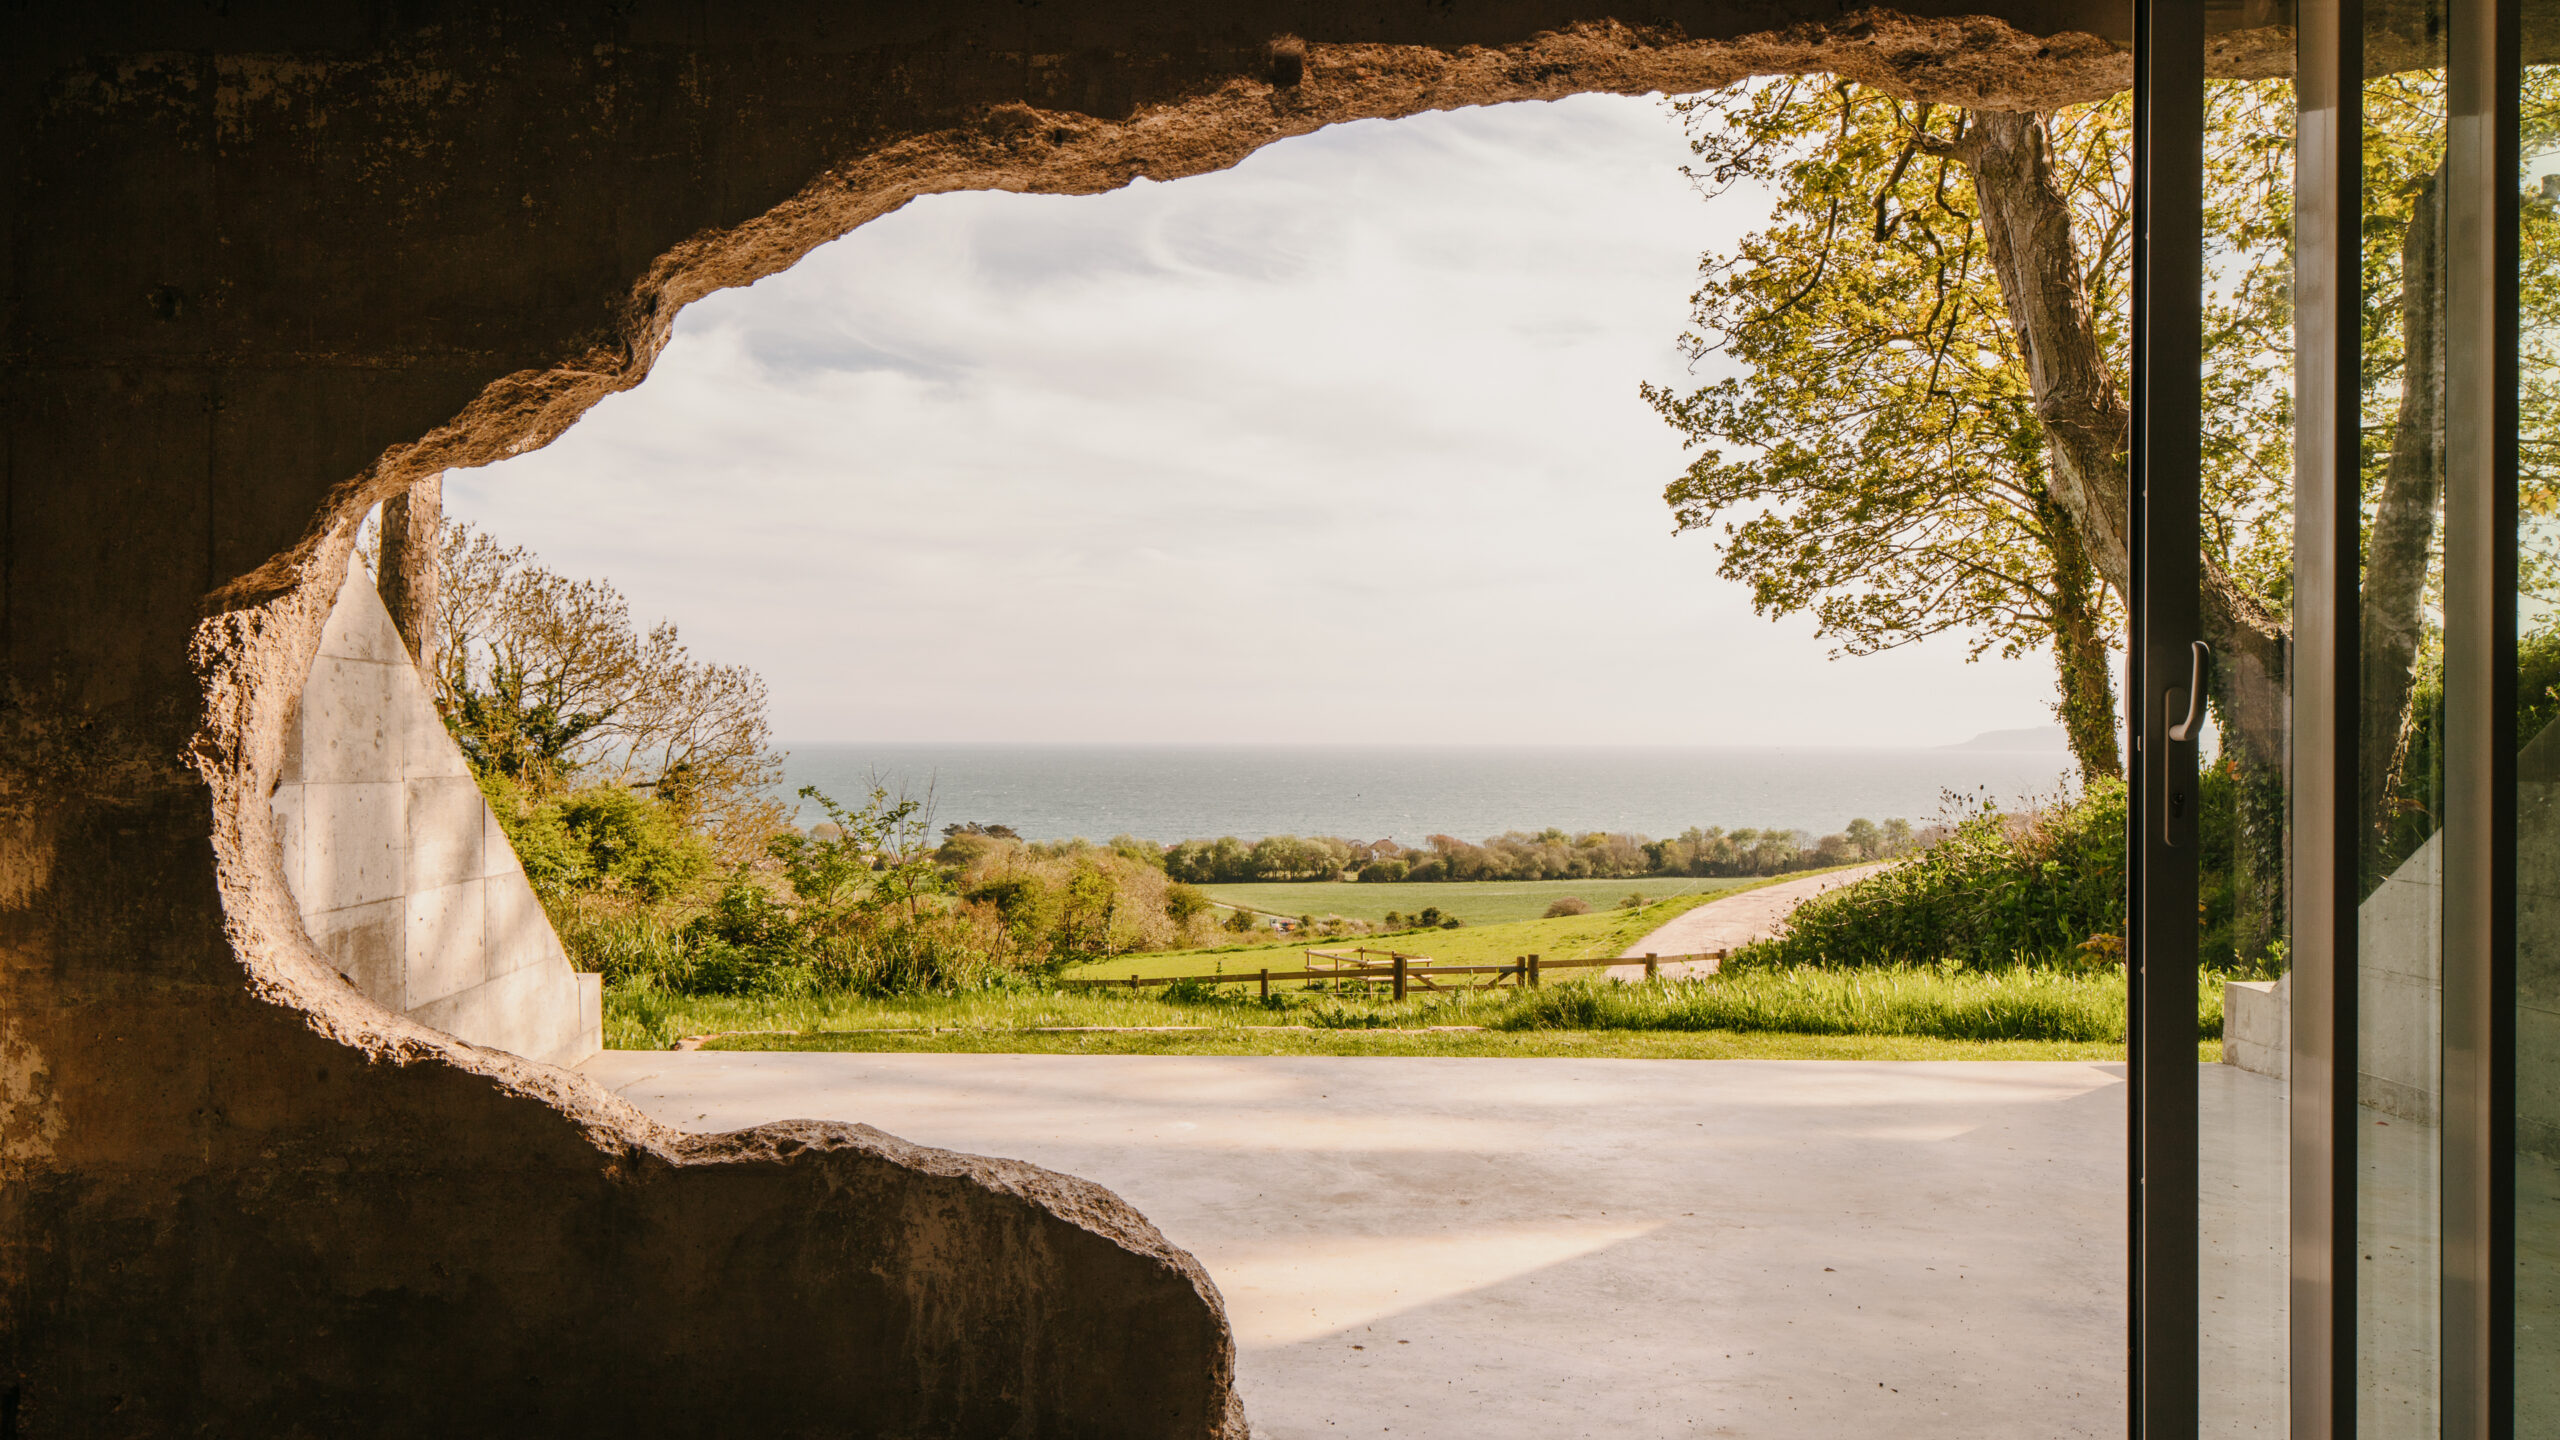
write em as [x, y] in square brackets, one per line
[1733, 920]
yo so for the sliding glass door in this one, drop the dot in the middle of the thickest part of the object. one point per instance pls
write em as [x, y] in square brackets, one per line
[2533, 482]
[2390, 1012]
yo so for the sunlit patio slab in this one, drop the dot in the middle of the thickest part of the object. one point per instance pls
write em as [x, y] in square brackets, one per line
[1547, 1248]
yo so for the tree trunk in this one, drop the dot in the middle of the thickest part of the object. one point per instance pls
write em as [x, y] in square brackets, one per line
[2397, 547]
[412, 541]
[2087, 706]
[2027, 229]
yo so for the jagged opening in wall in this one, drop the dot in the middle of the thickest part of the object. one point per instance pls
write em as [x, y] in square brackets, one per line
[990, 447]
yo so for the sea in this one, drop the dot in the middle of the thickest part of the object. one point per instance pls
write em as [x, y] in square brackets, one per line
[1167, 793]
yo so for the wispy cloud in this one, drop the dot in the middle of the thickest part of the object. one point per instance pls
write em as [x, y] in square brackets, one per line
[1341, 444]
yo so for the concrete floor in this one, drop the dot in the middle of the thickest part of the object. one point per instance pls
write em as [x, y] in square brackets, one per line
[2242, 1299]
[1554, 1248]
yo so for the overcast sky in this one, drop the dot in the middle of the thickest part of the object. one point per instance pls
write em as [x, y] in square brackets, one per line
[1341, 444]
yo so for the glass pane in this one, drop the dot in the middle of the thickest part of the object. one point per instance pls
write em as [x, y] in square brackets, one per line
[2537, 621]
[2399, 970]
[2244, 770]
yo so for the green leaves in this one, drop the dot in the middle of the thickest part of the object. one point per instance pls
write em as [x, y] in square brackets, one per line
[880, 856]
[1880, 466]
[1999, 890]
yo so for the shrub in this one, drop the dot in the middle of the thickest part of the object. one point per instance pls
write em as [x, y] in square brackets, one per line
[1569, 905]
[1185, 903]
[1073, 899]
[1384, 871]
[1632, 900]
[554, 864]
[602, 838]
[1998, 890]
[631, 842]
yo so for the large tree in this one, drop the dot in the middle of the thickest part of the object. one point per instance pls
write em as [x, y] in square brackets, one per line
[1871, 230]
[1934, 328]
[1879, 463]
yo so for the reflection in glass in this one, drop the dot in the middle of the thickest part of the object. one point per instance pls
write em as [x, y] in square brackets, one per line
[2400, 801]
[2246, 494]
[2537, 620]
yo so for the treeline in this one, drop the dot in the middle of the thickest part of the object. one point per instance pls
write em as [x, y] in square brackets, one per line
[1549, 854]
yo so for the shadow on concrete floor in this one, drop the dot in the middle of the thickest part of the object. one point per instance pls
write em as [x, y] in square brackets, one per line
[1493, 1248]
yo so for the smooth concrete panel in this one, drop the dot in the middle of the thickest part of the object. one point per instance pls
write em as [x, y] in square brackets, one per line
[2257, 1029]
[447, 945]
[518, 932]
[347, 730]
[446, 836]
[369, 945]
[2400, 968]
[427, 750]
[531, 1011]
[402, 874]
[355, 844]
[354, 633]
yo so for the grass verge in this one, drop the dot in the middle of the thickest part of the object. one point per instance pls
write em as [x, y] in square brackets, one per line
[1477, 1044]
[1810, 1013]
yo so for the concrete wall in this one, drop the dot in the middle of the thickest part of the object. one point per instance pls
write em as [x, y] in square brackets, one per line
[2400, 998]
[399, 869]
[267, 265]
[2257, 1025]
[2400, 989]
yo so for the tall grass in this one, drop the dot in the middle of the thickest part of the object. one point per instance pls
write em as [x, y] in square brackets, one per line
[1925, 1002]
[2007, 1004]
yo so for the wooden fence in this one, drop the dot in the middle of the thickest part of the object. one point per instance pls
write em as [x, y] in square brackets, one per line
[1404, 973]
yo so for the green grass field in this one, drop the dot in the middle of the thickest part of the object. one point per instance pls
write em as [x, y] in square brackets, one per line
[1569, 937]
[1489, 902]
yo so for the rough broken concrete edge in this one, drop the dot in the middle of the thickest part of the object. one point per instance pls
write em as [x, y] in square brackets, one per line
[251, 663]
[1975, 61]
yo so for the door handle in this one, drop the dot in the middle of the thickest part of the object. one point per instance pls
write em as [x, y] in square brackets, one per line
[2183, 714]
[2191, 699]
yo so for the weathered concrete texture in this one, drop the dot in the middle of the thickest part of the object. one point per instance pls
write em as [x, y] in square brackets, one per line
[402, 876]
[268, 264]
